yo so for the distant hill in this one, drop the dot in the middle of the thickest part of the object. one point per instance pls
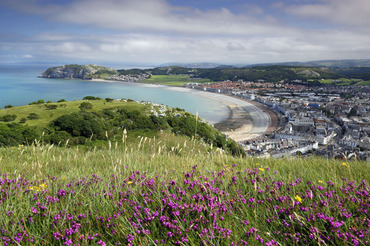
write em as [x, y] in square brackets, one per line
[314, 70]
[74, 71]
[193, 65]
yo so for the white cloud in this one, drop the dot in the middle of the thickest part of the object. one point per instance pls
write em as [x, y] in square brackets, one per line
[154, 32]
[27, 56]
[345, 12]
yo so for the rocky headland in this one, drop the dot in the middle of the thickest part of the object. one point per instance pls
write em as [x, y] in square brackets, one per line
[74, 71]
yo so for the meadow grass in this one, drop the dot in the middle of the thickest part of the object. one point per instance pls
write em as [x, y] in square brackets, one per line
[154, 192]
[172, 80]
[47, 115]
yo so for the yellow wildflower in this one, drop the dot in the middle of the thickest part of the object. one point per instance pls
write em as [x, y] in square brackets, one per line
[261, 169]
[298, 198]
[129, 182]
[35, 188]
[43, 186]
[320, 181]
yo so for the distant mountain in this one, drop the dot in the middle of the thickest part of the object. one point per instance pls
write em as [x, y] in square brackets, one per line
[320, 63]
[193, 65]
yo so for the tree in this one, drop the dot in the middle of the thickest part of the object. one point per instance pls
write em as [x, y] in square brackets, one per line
[85, 106]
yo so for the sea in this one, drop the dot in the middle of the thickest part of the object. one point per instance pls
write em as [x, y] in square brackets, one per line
[20, 85]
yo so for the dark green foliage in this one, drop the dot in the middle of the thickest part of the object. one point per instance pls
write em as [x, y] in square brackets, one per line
[8, 117]
[33, 116]
[355, 72]
[85, 106]
[62, 100]
[59, 137]
[187, 125]
[15, 134]
[51, 106]
[49, 101]
[8, 106]
[91, 98]
[22, 120]
[109, 99]
[83, 124]
[41, 101]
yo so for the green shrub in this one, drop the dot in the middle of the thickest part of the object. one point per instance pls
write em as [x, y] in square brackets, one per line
[51, 106]
[85, 106]
[33, 116]
[91, 98]
[8, 117]
[82, 124]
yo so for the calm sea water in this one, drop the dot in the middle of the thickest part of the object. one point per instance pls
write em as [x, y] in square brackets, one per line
[19, 85]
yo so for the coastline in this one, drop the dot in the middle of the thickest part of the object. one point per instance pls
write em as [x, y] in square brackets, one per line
[246, 120]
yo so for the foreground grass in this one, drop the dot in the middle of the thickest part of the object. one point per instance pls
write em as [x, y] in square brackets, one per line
[149, 194]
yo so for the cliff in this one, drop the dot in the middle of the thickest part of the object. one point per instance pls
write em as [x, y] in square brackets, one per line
[74, 71]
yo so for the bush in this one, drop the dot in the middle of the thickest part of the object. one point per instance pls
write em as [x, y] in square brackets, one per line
[22, 120]
[86, 105]
[91, 98]
[109, 99]
[14, 134]
[8, 106]
[83, 124]
[61, 100]
[51, 106]
[33, 116]
[8, 117]
[59, 137]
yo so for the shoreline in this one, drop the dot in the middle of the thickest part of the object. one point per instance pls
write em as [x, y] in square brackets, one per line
[247, 120]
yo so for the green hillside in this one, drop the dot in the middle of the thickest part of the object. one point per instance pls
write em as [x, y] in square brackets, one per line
[93, 121]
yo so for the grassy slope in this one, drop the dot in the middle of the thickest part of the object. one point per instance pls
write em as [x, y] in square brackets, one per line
[171, 80]
[47, 115]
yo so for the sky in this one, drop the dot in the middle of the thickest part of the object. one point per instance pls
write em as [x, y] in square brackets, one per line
[153, 32]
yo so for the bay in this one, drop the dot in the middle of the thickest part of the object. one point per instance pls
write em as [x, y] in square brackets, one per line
[19, 85]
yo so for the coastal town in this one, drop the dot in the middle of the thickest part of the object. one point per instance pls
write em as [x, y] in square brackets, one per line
[331, 121]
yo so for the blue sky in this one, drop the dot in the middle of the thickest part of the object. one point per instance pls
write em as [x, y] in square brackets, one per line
[152, 32]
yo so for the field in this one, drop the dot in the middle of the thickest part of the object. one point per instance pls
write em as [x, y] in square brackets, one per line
[147, 193]
[172, 80]
[45, 115]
